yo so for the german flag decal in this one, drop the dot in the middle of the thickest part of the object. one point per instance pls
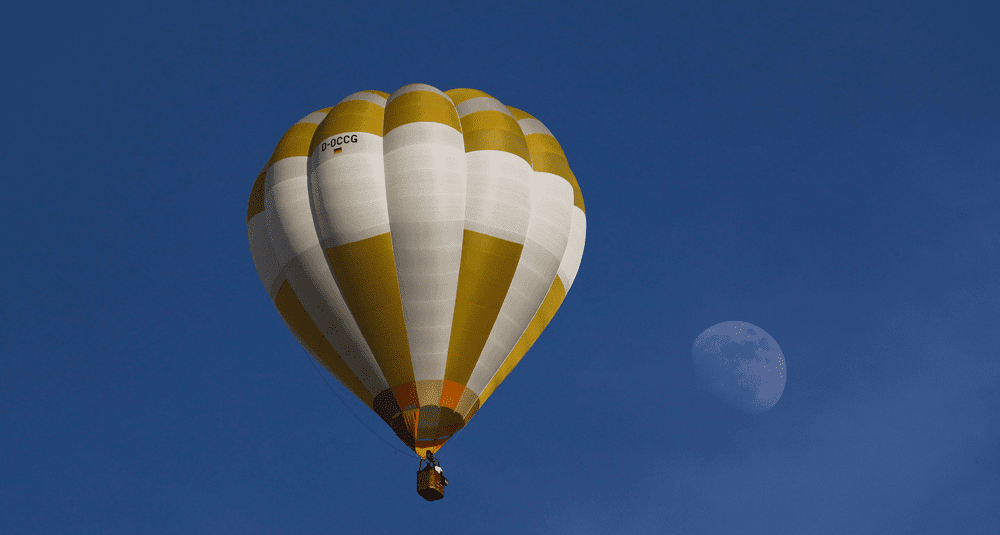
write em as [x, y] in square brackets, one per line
[338, 149]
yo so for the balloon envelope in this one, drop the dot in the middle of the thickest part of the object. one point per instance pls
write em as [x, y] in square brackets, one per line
[417, 244]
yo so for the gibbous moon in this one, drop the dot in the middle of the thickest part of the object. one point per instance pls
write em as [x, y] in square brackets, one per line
[741, 365]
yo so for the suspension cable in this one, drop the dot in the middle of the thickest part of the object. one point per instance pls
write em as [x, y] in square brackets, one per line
[313, 361]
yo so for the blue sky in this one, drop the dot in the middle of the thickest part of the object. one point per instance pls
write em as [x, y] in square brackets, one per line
[827, 172]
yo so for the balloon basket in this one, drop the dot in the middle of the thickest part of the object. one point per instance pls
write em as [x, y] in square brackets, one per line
[430, 484]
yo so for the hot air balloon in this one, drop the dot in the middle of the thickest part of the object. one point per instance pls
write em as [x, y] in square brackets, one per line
[417, 244]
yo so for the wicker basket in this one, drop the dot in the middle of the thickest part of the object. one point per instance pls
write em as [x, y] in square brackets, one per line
[430, 484]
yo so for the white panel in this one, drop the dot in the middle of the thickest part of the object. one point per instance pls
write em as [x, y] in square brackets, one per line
[315, 117]
[574, 249]
[533, 126]
[551, 206]
[498, 200]
[262, 252]
[425, 177]
[374, 98]
[475, 104]
[348, 188]
[290, 227]
[431, 136]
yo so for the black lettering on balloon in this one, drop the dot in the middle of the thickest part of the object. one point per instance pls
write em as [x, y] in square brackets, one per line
[338, 141]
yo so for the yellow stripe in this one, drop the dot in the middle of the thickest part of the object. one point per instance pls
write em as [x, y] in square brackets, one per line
[551, 303]
[256, 203]
[295, 142]
[518, 114]
[350, 116]
[545, 144]
[309, 335]
[297, 318]
[577, 193]
[382, 94]
[547, 156]
[487, 268]
[332, 361]
[366, 270]
[494, 130]
[461, 94]
[420, 106]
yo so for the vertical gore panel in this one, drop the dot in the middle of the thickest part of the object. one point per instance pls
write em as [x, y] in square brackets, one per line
[542, 318]
[488, 265]
[425, 184]
[312, 338]
[366, 270]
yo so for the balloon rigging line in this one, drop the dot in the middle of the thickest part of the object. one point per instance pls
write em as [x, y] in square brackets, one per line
[313, 361]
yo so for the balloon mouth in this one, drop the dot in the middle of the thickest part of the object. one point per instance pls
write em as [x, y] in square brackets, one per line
[422, 429]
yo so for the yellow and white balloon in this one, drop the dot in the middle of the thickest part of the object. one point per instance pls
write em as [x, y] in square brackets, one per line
[417, 244]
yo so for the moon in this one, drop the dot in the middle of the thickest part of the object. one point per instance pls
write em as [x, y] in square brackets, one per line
[741, 365]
